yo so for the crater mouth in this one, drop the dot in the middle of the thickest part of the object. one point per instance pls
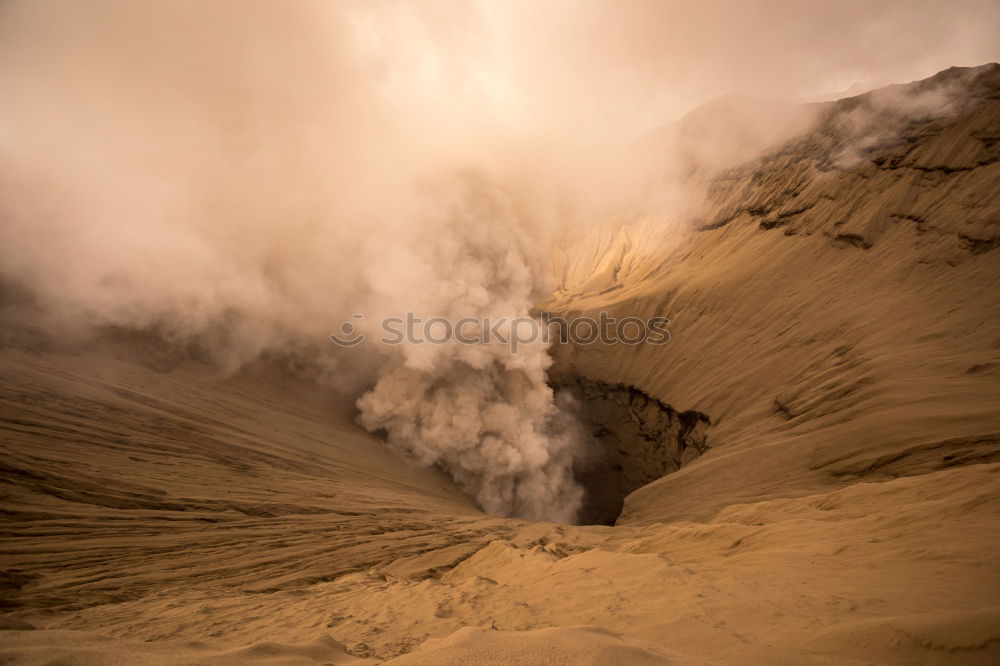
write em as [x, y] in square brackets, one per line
[637, 440]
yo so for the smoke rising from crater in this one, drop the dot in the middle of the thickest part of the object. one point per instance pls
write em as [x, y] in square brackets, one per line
[247, 174]
[481, 412]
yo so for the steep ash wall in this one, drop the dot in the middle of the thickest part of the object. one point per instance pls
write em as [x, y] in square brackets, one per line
[638, 440]
[832, 304]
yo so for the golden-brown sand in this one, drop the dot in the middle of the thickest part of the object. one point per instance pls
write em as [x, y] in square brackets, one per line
[839, 325]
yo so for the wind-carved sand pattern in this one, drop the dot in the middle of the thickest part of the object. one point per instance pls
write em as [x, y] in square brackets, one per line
[808, 472]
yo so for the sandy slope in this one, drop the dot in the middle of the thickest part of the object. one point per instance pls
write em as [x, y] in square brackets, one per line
[838, 323]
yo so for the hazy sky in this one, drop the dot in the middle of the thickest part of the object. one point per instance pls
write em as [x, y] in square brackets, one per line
[647, 61]
[579, 63]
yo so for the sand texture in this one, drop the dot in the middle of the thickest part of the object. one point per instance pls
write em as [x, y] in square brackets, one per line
[835, 316]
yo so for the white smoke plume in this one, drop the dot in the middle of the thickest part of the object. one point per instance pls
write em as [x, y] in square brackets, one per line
[878, 118]
[482, 412]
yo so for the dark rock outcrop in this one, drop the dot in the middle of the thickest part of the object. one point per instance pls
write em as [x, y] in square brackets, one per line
[638, 440]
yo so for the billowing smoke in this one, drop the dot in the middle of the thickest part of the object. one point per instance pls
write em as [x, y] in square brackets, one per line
[483, 411]
[247, 174]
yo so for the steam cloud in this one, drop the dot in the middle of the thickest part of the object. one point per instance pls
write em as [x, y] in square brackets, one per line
[247, 174]
[482, 413]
